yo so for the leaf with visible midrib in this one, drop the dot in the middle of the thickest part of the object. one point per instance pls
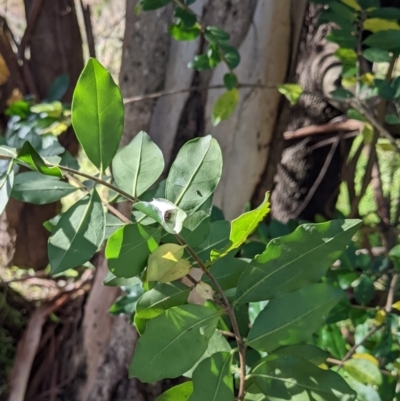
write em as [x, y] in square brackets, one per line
[77, 235]
[195, 173]
[137, 166]
[97, 114]
[294, 260]
[292, 318]
[212, 379]
[158, 352]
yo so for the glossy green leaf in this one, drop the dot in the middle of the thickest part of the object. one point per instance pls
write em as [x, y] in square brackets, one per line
[166, 336]
[305, 311]
[78, 234]
[216, 35]
[227, 271]
[243, 226]
[160, 298]
[181, 392]
[200, 62]
[6, 186]
[292, 92]
[311, 353]
[384, 40]
[149, 5]
[364, 371]
[137, 166]
[230, 81]
[33, 187]
[294, 260]
[212, 379]
[129, 247]
[28, 157]
[217, 343]
[186, 17]
[98, 114]
[231, 55]
[195, 173]
[225, 106]
[293, 378]
[218, 238]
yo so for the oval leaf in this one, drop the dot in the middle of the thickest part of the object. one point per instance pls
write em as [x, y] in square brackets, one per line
[166, 336]
[39, 189]
[77, 235]
[181, 392]
[137, 166]
[364, 371]
[225, 106]
[129, 247]
[305, 311]
[195, 173]
[163, 259]
[98, 114]
[296, 259]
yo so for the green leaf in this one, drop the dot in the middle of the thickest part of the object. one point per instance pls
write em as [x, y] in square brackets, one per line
[28, 157]
[376, 55]
[217, 343]
[243, 226]
[364, 290]
[212, 379]
[181, 392]
[98, 114]
[137, 166]
[341, 93]
[165, 213]
[149, 5]
[200, 63]
[186, 17]
[214, 57]
[58, 88]
[195, 173]
[293, 378]
[160, 298]
[218, 238]
[363, 371]
[182, 33]
[384, 40]
[78, 234]
[390, 13]
[113, 281]
[364, 392]
[39, 189]
[225, 106]
[216, 35]
[292, 92]
[129, 247]
[231, 55]
[294, 260]
[392, 119]
[125, 304]
[227, 271]
[394, 256]
[230, 81]
[6, 186]
[308, 352]
[305, 311]
[344, 38]
[177, 329]
[113, 223]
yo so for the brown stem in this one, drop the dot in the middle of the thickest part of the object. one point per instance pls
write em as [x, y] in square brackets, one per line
[229, 310]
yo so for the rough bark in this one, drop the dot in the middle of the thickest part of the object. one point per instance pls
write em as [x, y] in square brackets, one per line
[55, 48]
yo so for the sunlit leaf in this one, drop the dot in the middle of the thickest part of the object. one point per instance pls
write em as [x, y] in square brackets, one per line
[225, 106]
[292, 92]
[181, 392]
[363, 371]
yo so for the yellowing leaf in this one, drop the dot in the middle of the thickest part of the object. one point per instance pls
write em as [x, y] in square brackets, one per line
[380, 24]
[353, 4]
[385, 145]
[367, 133]
[367, 79]
[323, 366]
[292, 92]
[396, 305]
[367, 357]
[204, 290]
[348, 82]
[225, 106]
[380, 317]
[163, 259]
[177, 271]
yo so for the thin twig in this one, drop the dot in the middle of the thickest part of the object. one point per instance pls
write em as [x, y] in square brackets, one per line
[392, 289]
[88, 28]
[157, 95]
[231, 314]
